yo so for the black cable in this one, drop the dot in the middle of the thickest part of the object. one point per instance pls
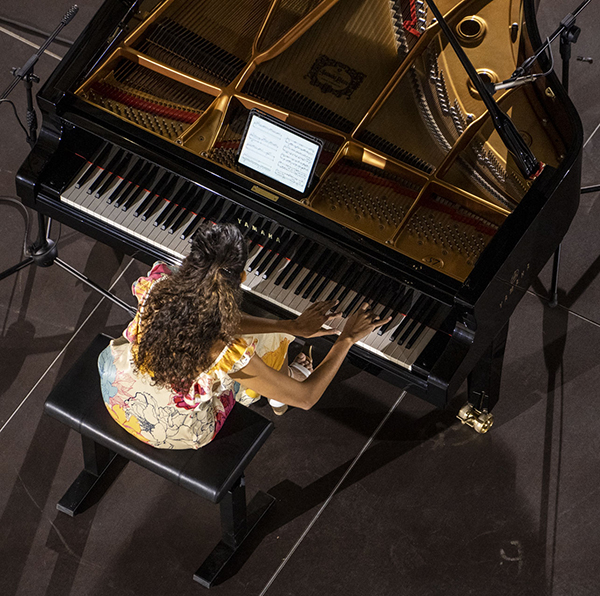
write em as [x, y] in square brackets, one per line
[16, 114]
[34, 31]
[587, 189]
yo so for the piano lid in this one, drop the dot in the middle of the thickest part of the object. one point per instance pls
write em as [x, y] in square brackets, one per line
[410, 157]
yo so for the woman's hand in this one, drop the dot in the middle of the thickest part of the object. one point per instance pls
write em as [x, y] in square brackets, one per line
[361, 323]
[310, 322]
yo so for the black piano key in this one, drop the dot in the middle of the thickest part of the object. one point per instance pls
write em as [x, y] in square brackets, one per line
[86, 175]
[315, 269]
[350, 282]
[293, 269]
[178, 205]
[262, 240]
[254, 233]
[108, 170]
[402, 297]
[360, 294]
[118, 190]
[419, 304]
[319, 284]
[416, 320]
[283, 252]
[248, 223]
[130, 180]
[160, 184]
[395, 295]
[137, 188]
[155, 203]
[161, 191]
[264, 252]
[405, 301]
[120, 167]
[172, 204]
[425, 320]
[200, 216]
[197, 199]
[190, 230]
[381, 286]
[213, 209]
[380, 303]
[347, 274]
[153, 187]
[273, 247]
[303, 257]
[96, 162]
[260, 256]
[228, 213]
[144, 204]
[322, 272]
[236, 216]
[306, 244]
[131, 196]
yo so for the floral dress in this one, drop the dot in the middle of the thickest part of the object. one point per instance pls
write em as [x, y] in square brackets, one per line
[166, 419]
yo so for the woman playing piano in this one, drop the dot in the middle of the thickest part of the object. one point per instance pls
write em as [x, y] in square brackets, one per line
[190, 353]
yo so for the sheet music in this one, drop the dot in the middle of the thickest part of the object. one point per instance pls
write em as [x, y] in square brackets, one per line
[278, 153]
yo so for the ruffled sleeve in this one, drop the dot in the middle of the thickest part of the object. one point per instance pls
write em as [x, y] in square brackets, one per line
[140, 289]
[142, 285]
[235, 356]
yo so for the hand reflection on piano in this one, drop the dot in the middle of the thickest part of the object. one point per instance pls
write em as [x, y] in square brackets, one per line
[363, 322]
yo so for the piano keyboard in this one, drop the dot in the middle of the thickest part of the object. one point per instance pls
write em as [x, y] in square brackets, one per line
[283, 268]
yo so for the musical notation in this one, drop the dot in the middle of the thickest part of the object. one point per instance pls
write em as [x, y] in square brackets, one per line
[278, 153]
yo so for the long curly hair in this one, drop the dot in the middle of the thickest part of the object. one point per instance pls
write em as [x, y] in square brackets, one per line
[188, 312]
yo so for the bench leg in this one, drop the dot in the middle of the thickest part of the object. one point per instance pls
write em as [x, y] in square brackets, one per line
[100, 467]
[236, 524]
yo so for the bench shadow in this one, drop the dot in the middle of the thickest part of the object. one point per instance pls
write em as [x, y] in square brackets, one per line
[399, 435]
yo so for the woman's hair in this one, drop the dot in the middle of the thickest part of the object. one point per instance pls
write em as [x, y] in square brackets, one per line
[187, 312]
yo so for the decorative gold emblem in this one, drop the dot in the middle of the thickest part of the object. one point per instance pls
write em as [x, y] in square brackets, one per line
[265, 193]
[432, 261]
[334, 77]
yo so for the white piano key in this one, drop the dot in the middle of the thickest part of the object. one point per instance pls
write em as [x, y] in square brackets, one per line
[255, 284]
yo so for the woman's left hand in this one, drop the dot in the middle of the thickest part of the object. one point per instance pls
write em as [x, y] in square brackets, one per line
[310, 322]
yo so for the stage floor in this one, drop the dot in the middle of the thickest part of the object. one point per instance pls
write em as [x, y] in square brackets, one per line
[376, 496]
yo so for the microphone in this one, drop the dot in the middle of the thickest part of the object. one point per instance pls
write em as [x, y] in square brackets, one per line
[511, 83]
[69, 15]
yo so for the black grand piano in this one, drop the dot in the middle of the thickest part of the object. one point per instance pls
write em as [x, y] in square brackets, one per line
[395, 184]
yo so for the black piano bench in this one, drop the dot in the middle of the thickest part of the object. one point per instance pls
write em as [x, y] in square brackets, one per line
[215, 472]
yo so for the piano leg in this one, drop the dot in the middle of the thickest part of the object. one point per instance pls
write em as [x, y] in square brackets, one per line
[483, 386]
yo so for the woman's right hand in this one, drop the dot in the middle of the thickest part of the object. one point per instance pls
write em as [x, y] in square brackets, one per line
[361, 323]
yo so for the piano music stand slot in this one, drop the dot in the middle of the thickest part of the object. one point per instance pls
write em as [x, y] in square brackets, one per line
[44, 251]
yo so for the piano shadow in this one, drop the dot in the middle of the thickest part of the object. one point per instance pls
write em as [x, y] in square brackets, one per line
[29, 501]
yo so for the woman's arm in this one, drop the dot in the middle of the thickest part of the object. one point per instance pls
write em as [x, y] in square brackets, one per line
[250, 324]
[308, 324]
[259, 377]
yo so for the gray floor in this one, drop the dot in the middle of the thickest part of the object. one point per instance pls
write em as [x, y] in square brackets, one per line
[375, 495]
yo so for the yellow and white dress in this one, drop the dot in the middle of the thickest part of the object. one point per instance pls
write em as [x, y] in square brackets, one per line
[166, 419]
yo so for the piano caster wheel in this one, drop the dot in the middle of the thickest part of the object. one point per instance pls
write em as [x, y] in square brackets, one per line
[481, 422]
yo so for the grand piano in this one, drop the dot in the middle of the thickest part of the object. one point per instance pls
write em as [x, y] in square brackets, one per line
[412, 199]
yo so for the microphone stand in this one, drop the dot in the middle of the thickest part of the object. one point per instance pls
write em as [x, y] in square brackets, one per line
[569, 33]
[44, 252]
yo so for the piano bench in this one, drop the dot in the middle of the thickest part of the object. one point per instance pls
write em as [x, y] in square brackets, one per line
[215, 472]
